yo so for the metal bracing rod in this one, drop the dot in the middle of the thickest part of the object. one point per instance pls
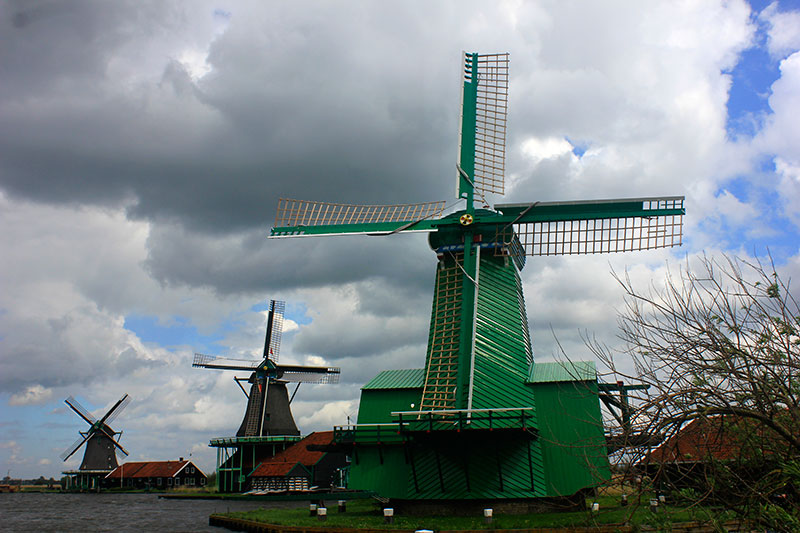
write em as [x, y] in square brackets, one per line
[263, 407]
[474, 326]
[295, 392]
[237, 380]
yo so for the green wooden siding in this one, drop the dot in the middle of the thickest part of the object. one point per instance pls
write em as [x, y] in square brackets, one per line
[381, 469]
[434, 466]
[377, 405]
[571, 436]
[502, 343]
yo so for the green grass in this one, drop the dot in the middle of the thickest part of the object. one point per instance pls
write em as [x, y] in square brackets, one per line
[368, 514]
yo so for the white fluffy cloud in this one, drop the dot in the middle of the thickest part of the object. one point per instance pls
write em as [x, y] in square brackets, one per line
[783, 36]
[32, 395]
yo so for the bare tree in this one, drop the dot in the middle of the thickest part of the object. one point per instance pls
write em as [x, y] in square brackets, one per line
[719, 348]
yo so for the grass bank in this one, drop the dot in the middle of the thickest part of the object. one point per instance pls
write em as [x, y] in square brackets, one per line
[368, 514]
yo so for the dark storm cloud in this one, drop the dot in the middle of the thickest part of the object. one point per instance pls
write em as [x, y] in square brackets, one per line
[51, 348]
[251, 262]
[314, 111]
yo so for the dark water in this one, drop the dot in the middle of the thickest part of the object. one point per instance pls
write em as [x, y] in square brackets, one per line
[115, 512]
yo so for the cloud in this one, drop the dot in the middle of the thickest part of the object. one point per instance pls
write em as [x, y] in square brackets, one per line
[32, 395]
[538, 149]
[789, 187]
[334, 413]
[782, 33]
[778, 135]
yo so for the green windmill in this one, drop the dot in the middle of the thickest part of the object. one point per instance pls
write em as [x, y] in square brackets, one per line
[481, 421]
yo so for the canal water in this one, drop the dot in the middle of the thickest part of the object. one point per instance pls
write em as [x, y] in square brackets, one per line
[116, 512]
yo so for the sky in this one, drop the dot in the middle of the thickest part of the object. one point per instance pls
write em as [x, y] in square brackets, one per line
[144, 146]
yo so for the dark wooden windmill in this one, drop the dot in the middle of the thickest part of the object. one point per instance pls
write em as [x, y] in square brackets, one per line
[268, 403]
[102, 444]
[268, 426]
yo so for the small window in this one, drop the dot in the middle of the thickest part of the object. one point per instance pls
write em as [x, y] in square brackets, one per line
[177, 481]
[159, 480]
[202, 481]
[169, 481]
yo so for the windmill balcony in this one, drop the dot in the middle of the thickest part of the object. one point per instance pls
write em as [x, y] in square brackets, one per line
[264, 439]
[410, 422]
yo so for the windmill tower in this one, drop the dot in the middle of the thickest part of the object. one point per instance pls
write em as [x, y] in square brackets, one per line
[489, 423]
[99, 456]
[268, 425]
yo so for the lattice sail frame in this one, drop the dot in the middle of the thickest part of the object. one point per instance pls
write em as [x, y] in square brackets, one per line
[202, 360]
[330, 377]
[75, 405]
[601, 235]
[274, 348]
[309, 213]
[118, 409]
[490, 121]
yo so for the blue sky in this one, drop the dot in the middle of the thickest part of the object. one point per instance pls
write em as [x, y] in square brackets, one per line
[140, 169]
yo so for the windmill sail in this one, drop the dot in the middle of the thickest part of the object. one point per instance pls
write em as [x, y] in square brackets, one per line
[272, 342]
[595, 226]
[300, 218]
[223, 363]
[80, 410]
[484, 110]
[310, 374]
[66, 454]
[117, 409]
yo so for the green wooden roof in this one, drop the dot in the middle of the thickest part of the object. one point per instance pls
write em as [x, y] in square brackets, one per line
[409, 378]
[563, 371]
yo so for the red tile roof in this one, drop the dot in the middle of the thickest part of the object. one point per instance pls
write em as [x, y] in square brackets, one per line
[282, 463]
[149, 469]
[718, 437]
[699, 439]
[277, 469]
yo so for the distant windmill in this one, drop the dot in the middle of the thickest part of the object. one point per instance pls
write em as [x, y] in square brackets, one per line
[268, 411]
[479, 369]
[101, 444]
